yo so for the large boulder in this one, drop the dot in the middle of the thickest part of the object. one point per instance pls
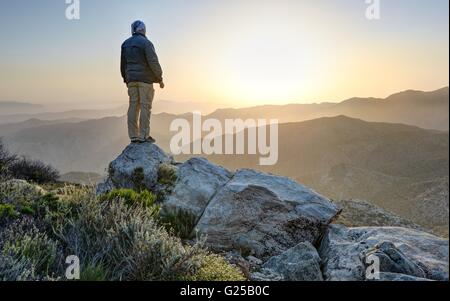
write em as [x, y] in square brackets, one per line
[392, 260]
[197, 182]
[404, 254]
[136, 168]
[266, 275]
[300, 263]
[263, 215]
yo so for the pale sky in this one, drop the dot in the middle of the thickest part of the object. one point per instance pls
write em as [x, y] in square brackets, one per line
[233, 52]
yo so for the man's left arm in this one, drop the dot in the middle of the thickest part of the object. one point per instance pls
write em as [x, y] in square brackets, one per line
[123, 66]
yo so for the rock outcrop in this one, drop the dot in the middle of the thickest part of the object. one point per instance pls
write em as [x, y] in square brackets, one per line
[276, 223]
[137, 166]
[392, 260]
[197, 182]
[264, 215]
[344, 252]
[253, 212]
[300, 263]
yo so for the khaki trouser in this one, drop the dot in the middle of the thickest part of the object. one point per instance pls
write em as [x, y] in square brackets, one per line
[139, 112]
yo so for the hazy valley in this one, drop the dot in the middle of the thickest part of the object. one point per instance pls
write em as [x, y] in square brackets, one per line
[394, 155]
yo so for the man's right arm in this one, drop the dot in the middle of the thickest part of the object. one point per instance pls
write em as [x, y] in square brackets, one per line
[153, 61]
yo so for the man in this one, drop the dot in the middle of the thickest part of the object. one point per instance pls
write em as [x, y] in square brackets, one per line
[140, 68]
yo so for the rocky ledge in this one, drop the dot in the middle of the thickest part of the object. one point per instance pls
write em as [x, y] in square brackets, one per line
[275, 228]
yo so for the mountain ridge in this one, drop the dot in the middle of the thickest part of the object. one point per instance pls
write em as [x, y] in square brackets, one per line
[424, 109]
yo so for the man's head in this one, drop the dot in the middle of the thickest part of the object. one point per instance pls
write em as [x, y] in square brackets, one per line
[138, 27]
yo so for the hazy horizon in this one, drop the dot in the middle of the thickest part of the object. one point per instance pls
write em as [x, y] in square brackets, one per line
[63, 107]
[229, 54]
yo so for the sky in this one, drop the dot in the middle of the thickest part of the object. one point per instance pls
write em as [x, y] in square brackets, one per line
[234, 52]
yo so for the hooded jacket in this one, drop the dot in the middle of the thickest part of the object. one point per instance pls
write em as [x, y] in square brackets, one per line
[139, 62]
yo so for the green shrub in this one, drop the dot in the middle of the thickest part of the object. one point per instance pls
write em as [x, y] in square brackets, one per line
[128, 242]
[93, 272]
[216, 268]
[131, 198]
[8, 211]
[27, 210]
[49, 202]
[167, 175]
[33, 171]
[12, 269]
[181, 223]
[19, 192]
[50, 210]
[138, 179]
[6, 159]
[31, 246]
[116, 237]
[31, 200]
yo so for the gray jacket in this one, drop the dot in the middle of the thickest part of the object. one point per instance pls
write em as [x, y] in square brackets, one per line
[139, 62]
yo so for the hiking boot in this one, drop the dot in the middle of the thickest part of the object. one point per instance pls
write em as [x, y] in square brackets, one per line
[150, 139]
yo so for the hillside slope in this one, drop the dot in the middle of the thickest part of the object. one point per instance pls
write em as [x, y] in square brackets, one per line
[398, 167]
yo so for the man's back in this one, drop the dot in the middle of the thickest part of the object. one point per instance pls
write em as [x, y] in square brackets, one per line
[139, 62]
[140, 69]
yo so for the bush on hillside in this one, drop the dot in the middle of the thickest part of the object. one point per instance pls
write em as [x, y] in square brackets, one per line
[114, 240]
[167, 177]
[28, 254]
[126, 243]
[6, 159]
[216, 268]
[32, 171]
[7, 212]
[33, 246]
[12, 166]
[180, 223]
[131, 198]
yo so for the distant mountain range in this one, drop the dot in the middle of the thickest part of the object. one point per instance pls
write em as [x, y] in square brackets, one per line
[13, 107]
[14, 112]
[399, 167]
[83, 178]
[62, 116]
[423, 109]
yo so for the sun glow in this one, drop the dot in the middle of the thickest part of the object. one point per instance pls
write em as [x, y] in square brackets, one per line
[259, 71]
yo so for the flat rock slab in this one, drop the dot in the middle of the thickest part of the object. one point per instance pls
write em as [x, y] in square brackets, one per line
[343, 252]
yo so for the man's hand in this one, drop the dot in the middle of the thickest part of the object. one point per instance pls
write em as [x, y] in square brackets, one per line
[161, 85]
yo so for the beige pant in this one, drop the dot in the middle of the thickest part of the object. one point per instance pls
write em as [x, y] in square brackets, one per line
[139, 112]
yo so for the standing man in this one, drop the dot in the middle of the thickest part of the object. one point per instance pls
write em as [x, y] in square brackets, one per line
[140, 68]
